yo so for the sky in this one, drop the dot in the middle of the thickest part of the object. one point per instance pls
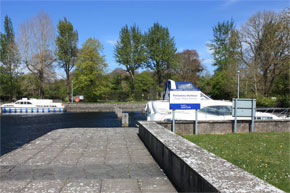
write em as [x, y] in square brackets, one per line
[190, 22]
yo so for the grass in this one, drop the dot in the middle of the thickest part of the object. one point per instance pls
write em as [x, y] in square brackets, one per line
[265, 155]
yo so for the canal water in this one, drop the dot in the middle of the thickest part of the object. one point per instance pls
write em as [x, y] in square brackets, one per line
[17, 130]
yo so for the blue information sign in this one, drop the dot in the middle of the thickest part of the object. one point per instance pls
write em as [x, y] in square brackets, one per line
[185, 106]
[184, 100]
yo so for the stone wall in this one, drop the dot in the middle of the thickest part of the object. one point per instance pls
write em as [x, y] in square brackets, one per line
[105, 107]
[221, 127]
[193, 169]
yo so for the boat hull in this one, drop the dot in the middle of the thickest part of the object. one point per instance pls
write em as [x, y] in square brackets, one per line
[31, 110]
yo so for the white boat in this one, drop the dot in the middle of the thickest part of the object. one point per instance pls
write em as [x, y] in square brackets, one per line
[31, 105]
[209, 109]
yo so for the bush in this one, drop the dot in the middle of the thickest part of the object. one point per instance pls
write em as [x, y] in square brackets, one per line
[283, 101]
[266, 101]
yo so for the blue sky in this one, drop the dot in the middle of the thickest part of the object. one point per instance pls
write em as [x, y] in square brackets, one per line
[190, 22]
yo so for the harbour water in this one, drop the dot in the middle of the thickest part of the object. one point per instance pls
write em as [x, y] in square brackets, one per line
[17, 130]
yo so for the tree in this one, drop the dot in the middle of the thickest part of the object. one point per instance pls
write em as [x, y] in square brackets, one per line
[119, 85]
[10, 59]
[88, 75]
[189, 66]
[161, 52]
[226, 49]
[29, 84]
[130, 51]
[37, 40]
[144, 81]
[66, 51]
[265, 50]
[225, 45]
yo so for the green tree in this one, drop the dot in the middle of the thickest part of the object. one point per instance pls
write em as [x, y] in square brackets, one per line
[119, 85]
[29, 84]
[88, 75]
[226, 54]
[130, 51]
[9, 59]
[66, 51]
[161, 52]
[56, 90]
[225, 45]
[144, 81]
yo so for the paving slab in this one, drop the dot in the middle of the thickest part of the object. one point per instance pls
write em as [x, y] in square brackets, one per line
[83, 160]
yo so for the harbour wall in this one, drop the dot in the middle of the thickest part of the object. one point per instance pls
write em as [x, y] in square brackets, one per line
[222, 127]
[106, 107]
[193, 169]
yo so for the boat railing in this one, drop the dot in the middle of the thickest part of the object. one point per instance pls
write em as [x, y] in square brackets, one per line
[280, 112]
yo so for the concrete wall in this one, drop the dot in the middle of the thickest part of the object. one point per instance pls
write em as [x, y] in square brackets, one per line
[105, 107]
[220, 127]
[193, 169]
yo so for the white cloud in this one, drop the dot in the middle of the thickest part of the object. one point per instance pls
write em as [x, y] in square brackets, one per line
[112, 42]
[207, 61]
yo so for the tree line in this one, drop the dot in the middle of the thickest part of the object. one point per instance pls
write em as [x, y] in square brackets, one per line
[259, 51]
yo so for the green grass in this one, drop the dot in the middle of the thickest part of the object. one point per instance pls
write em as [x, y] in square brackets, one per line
[265, 155]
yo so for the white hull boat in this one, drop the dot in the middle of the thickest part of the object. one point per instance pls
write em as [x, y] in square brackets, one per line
[26, 105]
[209, 109]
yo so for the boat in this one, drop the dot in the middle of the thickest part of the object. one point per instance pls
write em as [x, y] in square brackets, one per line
[210, 109]
[32, 105]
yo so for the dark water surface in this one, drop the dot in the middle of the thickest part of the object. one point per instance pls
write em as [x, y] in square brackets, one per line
[17, 130]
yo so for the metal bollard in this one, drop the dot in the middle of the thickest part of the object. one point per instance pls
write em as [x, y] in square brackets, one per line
[125, 119]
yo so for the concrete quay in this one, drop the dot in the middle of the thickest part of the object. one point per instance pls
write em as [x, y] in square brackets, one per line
[83, 160]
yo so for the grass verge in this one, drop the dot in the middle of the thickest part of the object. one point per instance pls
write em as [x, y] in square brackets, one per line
[265, 155]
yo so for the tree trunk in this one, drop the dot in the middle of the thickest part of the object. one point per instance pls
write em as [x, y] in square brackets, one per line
[41, 80]
[11, 84]
[132, 86]
[67, 86]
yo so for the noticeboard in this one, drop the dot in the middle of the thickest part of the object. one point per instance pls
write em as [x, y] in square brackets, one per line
[184, 99]
[244, 108]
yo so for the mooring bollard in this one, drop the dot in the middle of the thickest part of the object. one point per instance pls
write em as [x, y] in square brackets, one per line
[125, 119]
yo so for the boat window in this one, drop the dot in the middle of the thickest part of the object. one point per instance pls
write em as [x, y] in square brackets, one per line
[22, 102]
[184, 86]
[217, 110]
[29, 103]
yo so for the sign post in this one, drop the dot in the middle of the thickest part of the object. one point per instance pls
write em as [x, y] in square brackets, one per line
[173, 121]
[184, 100]
[244, 108]
[195, 123]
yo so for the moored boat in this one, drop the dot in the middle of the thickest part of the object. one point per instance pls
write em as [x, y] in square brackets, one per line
[209, 109]
[31, 105]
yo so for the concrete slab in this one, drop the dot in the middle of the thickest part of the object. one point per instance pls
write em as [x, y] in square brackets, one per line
[83, 160]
